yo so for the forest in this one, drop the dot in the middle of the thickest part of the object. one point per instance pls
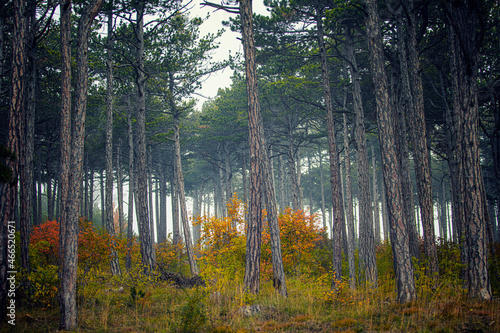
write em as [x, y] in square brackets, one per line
[347, 179]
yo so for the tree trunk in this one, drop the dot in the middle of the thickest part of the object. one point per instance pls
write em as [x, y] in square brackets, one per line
[119, 181]
[298, 162]
[376, 210]
[338, 208]
[110, 226]
[245, 186]
[418, 137]
[175, 209]
[131, 191]
[182, 195]
[292, 167]
[157, 205]
[103, 201]
[323, 208]
[385, 117]
[162, 225]
[464, 36]
[150, 197]
[69, 225]
[402, 152]
[91, 196]
[27, 138]
[68, 305]
[349, 213]
[50, 205]
[366, 236]
[146, 246]
[260, 172]
[16, 106]
[283, 202]
[228, 175]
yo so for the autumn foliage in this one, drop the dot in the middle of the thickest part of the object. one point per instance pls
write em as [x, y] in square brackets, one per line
[301, 243]
[93, 245]
[222, 244]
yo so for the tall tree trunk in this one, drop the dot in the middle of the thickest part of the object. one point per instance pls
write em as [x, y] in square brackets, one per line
[376, 210]
[162, 225]
[283, 202]
[157, 204]
[27, 137]
[110, 226]
[91, 196]
[182, 195]
[323, 208]
[119, 180]
[150, 197]
[175, 209]
[245, 186]
[103, 200]
[146, 245]
[442, 208]
[348, 203]
[402, 152]
[16, 105]
[69, 233]
[418, 137]
[68, 308]
[464, 18]
[254, 229]
[298, 162]
[366, 235]
[385, 117]
[338, 209]
[50, 205]
[228, 174]
[311, 209]
[292, 167]
[260, 172]
[131, 191]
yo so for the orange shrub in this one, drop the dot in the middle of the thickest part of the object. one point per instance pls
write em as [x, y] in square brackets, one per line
[300, 237]
[221, 249]
[93, 245]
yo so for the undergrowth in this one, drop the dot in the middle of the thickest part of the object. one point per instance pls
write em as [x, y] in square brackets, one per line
[134, 302]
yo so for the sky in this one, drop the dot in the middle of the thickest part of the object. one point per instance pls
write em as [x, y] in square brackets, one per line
[229, 43]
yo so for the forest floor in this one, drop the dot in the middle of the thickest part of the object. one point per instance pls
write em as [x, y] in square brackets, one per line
[163, 306]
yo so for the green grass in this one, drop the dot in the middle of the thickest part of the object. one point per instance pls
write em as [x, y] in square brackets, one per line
[310, 307]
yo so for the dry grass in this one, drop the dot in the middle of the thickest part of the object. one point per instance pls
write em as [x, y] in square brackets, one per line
[310, 307]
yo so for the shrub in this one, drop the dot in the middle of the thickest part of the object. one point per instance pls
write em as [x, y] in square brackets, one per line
[303, 244]
[221, 249]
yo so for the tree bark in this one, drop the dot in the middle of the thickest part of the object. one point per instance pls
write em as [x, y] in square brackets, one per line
[27, 136]
[110, 226]
[69, 233]
[150, 197]
[162, 225]
[464, 31]
[402, 151]
[119, 181]
[146, 246]
[366, 235]
[385, 117]
[376, 210]
[323, 208]
[131, 191]
[182, 196]
[16, 105]
[349, 213]
[260, 172]
[338, 209]
[418, 135]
